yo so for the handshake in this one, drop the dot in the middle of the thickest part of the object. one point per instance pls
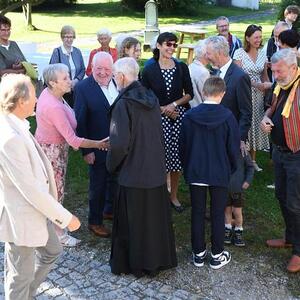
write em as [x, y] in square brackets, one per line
[103, 144]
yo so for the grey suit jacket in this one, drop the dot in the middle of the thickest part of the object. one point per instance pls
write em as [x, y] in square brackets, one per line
[27, 189]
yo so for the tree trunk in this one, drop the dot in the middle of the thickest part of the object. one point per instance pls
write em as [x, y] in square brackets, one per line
[27, 14]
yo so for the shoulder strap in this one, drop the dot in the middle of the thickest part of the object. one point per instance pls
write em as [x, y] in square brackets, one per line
[59, 56]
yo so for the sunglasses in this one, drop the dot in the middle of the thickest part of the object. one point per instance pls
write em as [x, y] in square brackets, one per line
[170, 44]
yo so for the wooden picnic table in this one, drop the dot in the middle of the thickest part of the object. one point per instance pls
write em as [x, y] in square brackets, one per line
[193, 33]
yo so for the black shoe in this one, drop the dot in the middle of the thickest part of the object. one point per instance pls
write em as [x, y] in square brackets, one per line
[228, 236]
[198, 259]
[178, 208]
[220, 260]
[238, 238]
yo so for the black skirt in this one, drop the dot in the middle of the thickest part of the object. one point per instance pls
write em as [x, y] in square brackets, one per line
[142, 236]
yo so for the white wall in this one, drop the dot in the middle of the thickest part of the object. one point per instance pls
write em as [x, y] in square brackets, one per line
[252, 4]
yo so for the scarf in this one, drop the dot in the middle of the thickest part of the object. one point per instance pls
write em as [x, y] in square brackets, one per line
[288, 104]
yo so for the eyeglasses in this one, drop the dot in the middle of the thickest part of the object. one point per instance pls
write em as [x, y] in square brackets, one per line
[170, 44]
[69, 37]
[223, 26]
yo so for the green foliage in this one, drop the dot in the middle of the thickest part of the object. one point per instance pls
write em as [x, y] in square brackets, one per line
[187, 7]
[282, 7]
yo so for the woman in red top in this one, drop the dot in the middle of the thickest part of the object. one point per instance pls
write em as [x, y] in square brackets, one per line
[104, 38]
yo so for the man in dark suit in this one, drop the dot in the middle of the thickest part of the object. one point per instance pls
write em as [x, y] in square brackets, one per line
[93, 97]
[238, 85]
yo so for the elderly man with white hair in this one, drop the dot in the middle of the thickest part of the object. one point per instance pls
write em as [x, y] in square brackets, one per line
[93, 97]
[142, 238]
[104, 38]
[282, 121]
[28, 205]
[199, 73]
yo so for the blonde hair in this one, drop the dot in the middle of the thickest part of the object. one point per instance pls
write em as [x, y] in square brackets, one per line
[126, 45]
[13, 87]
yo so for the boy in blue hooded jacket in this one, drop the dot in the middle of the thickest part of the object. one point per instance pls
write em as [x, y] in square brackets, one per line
[209, 147]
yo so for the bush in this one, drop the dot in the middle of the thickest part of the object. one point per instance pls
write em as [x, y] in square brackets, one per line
[187, 7]
[282, 7]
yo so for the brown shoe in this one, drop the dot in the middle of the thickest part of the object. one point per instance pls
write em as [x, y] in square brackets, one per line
[99, 230]
[278, 243]
[294, 264]
[108, 216]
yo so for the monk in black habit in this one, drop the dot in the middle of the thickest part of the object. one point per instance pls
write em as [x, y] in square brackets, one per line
[142, 236]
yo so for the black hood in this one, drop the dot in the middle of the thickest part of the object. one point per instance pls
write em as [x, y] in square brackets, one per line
[209, 115]
[137, 92]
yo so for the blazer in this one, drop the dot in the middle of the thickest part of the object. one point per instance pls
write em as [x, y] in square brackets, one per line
[28, 195]
[59, 57]
[91, 110]
[182, 84]
[238, 97]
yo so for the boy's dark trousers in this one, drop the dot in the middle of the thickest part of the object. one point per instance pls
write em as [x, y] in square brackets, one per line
[218, 196]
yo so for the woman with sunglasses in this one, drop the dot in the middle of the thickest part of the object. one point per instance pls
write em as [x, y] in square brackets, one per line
[171, 82]
[70, 56]
[254, 62]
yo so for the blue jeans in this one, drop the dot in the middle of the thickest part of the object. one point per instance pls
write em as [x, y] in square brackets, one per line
[287, 191]
[218, 196]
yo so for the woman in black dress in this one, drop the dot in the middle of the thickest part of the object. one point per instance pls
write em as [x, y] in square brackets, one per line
[142, 237]
[170, 80]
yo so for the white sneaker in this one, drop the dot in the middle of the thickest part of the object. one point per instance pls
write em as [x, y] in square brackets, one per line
[257, 168]
[271, 186]
[69, 241]
[219, 260]
[198, 259]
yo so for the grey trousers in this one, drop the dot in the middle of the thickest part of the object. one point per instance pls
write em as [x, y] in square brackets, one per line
[25, 268]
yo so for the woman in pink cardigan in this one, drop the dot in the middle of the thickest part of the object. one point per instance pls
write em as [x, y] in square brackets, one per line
[55, 131]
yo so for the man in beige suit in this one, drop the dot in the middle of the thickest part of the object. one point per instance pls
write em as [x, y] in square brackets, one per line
[28, 205]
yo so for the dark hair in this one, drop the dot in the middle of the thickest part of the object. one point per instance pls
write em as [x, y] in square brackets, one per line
[164, 37]
[289, 37]
[214, 86]
[5, 21]
[248, 33]
[292, 9]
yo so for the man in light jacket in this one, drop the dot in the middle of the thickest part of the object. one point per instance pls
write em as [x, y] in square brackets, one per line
[28, 196]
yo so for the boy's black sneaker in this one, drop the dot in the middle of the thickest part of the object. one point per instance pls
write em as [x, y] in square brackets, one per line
[238, 238]
[220, 260]
[228, 236]
[198, 259]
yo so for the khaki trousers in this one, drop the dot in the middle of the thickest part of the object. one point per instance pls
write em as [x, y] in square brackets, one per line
[25, 268]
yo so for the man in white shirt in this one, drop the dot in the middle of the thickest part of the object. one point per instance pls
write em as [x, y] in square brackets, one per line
[28, 206]
[93, 97]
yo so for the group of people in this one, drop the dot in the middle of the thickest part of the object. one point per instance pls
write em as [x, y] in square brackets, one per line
[137, 133]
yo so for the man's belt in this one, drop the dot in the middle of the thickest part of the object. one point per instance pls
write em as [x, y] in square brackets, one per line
[283, 149]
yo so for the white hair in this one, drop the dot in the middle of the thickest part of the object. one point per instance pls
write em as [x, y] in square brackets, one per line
[13, 87]
[102, 55]
[128, 67]
[287, 55]
[103, 31]
[51, 71]
[222, 18]
[200, 49]
[219, 44]
[281, 24]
